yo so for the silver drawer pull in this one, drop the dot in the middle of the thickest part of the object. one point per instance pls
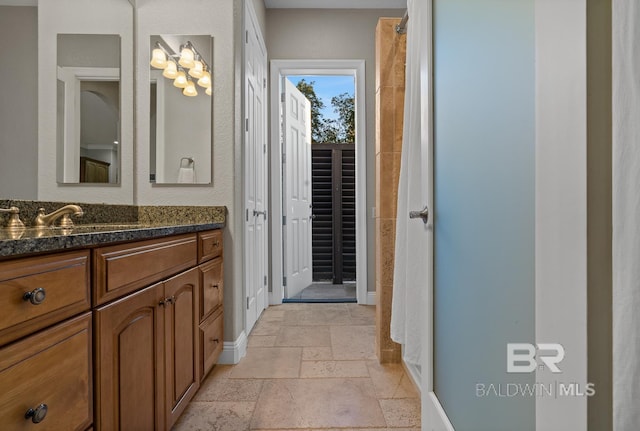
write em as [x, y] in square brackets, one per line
[38, 414]
[36, 296]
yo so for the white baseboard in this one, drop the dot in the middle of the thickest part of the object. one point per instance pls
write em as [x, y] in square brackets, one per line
[434, 418]
[371, 298]
[414, 375]
[233, 351]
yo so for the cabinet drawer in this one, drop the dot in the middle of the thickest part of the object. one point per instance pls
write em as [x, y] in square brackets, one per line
[209, 245]
[51, 368]
[212, 287]
[64, 280]
[211, 339]
[124, 268]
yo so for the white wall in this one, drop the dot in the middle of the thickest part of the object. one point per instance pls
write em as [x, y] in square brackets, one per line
[219, 19]
[335, 34]
[78, 16]
[626, 215]
[19, 102]
[561, 202]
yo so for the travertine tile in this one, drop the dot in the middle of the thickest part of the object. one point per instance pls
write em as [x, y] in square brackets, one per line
[218, 389]
[386, 378]
[304, 336]
[272, 314]
[261, 341]
[404, 412]
[268, 363]
[316, 353]
[266, 328]
[353, 342]
[362, 314]
[317, 403]
[218, 416]
[333, 369]
[387, 115]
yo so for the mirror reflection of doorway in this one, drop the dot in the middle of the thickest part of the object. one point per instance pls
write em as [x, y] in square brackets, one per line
[333, 212]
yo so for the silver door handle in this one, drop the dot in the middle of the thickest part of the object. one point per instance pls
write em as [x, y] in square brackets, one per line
[262, 213]
[424, 214]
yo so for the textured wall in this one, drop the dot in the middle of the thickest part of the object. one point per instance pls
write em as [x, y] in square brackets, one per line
[19, 103]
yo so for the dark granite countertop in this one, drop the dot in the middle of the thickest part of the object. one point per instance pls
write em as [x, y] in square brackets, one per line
[32, 240]
[104, 224]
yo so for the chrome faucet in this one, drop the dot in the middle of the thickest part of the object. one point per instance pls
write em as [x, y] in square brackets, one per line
[14, 220]
[47, 220]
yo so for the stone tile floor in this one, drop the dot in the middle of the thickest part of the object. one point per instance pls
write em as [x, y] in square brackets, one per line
[308, 367]
[327, 292]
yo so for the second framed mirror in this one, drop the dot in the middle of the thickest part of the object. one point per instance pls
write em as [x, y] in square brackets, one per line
[181, 109]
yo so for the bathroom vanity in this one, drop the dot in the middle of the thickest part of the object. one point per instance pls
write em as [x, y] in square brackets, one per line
[116, 333]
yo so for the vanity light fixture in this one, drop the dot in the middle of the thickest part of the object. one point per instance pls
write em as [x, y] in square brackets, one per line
[190, 89]
[181, 80]
[158, 58]
[189, 62]
[187, 56]
[171, 71]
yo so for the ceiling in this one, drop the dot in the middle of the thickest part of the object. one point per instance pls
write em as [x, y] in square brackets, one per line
[335, 4]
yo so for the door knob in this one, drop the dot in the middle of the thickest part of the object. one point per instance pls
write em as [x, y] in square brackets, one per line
[424, 214]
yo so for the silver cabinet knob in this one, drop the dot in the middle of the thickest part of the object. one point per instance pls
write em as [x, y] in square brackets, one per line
[38, 414]
[424, 214]
[36, 296]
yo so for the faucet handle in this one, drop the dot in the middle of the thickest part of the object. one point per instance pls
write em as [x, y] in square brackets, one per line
[14, 220]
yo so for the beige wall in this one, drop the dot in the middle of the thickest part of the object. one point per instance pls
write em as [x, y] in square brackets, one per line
[335, 34]
[220, 19]
[19, 102]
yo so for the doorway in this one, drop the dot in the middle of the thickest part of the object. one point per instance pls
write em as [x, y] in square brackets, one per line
[282, 289]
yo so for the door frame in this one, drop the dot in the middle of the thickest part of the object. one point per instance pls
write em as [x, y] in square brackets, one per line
[280, 68]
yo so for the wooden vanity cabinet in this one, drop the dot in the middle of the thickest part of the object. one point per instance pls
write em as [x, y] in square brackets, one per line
[150, 350]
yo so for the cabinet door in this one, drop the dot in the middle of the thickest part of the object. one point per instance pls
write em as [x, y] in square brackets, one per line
[181, 347]
[129, 358]
[49, 375]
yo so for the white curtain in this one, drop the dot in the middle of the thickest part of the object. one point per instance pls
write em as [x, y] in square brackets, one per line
[411, 270]
[626, 215]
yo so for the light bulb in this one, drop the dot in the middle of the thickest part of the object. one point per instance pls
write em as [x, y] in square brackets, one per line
[158, 59]
[190, 89]
[181, 80]
[186, 58]
[197, 70]
[171, 71]
[208, 91]
[205, 80]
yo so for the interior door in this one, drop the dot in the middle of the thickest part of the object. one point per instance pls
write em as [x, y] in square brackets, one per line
[296, 121]
[256, 179]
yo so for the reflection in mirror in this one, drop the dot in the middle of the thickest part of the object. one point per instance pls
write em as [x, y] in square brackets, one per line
[180, 109]
[88, 108]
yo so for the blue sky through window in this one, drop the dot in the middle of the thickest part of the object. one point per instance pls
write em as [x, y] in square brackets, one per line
[326, 87]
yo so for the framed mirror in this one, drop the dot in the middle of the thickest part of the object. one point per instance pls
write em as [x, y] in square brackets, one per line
[88, 108]
[181, 109]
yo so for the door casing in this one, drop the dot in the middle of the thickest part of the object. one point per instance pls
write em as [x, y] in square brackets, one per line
[280, 68]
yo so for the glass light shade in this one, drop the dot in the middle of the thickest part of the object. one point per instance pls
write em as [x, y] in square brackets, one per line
[171, 71]
[208, 91]
[197, 70]
[190, 89]
[181, 80]
[158, 59]
[186, 58]
[205, 80]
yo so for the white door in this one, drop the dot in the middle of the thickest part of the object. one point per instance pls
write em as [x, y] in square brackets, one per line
[256, 178]
[296, 122]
